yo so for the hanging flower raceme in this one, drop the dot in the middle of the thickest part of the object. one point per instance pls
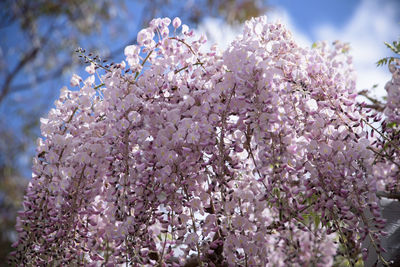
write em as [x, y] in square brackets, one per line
[251, 157]
[387, 168]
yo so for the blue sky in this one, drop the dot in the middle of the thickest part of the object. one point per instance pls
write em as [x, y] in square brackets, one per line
[307, 14]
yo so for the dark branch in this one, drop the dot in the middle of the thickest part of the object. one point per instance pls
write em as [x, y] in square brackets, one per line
[394, 195]
[7, 84]
[376, 104]
[42, 78]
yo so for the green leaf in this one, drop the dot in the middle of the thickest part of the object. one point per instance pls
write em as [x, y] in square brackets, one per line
[395, 47]
[385, 61]
[306, 218]
[276, 192]
[317, 220]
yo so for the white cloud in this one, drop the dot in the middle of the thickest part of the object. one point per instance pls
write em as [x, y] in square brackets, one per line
[219, 32]
[373, 23]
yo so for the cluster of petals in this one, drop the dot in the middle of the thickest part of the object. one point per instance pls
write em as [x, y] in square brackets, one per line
[387, 168]
[254, 156]
[392, 110]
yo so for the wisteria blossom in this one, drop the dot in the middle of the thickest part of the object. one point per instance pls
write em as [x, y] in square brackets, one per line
[258, 155]
[387, 167]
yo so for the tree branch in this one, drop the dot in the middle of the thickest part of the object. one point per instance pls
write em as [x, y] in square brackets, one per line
[394, 195]
[6, 86]
[376, 104]
[42, 78]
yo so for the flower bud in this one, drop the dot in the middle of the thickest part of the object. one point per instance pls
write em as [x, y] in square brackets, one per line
[176, 22]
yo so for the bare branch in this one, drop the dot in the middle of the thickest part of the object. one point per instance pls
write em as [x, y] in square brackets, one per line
[393, 195]
[376, 104]
[7, 84]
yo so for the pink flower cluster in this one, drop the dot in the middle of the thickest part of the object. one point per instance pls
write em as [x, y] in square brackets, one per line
[256, 156]
[387, 168]
[392, 87]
